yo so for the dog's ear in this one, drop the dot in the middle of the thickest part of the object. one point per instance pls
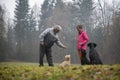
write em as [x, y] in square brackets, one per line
[94, 44]
[68, 55]
[88, 44]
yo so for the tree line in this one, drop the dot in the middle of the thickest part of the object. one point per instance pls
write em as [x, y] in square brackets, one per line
[20, 40]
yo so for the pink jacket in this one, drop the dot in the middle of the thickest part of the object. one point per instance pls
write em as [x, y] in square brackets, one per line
[82, 40]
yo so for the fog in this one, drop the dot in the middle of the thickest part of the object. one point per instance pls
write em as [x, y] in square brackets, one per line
[20, 42]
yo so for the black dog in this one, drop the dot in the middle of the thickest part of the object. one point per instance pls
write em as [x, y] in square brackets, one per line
[93, 55]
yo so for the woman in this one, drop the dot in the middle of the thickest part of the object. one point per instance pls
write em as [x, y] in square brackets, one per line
[82, 40]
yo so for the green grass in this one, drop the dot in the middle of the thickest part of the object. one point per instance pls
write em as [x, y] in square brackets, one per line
[31, 71]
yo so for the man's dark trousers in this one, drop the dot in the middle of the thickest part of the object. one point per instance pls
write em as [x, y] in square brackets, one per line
[45, 51]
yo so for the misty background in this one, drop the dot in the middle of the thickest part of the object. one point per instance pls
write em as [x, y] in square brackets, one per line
[19, 35]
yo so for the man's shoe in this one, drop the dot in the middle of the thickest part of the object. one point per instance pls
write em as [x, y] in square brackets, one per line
[41, 65]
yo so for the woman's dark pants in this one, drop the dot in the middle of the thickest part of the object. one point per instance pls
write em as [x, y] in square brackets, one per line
[83, 58]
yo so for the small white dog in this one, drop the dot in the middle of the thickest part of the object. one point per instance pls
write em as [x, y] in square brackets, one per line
[66, 62]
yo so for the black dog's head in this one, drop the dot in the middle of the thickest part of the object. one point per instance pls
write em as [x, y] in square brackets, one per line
[92, 45]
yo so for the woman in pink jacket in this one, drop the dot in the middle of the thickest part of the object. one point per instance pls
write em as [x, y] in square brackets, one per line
[82, 40]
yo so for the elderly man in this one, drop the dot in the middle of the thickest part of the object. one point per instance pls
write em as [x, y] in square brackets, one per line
[47, 39]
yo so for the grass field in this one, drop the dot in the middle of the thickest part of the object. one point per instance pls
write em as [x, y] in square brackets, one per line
[31, 71]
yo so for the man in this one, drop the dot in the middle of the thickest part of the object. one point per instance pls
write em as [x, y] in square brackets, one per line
[47, 39]
[82, 40]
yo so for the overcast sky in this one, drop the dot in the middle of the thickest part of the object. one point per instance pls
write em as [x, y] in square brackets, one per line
[10, 5]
